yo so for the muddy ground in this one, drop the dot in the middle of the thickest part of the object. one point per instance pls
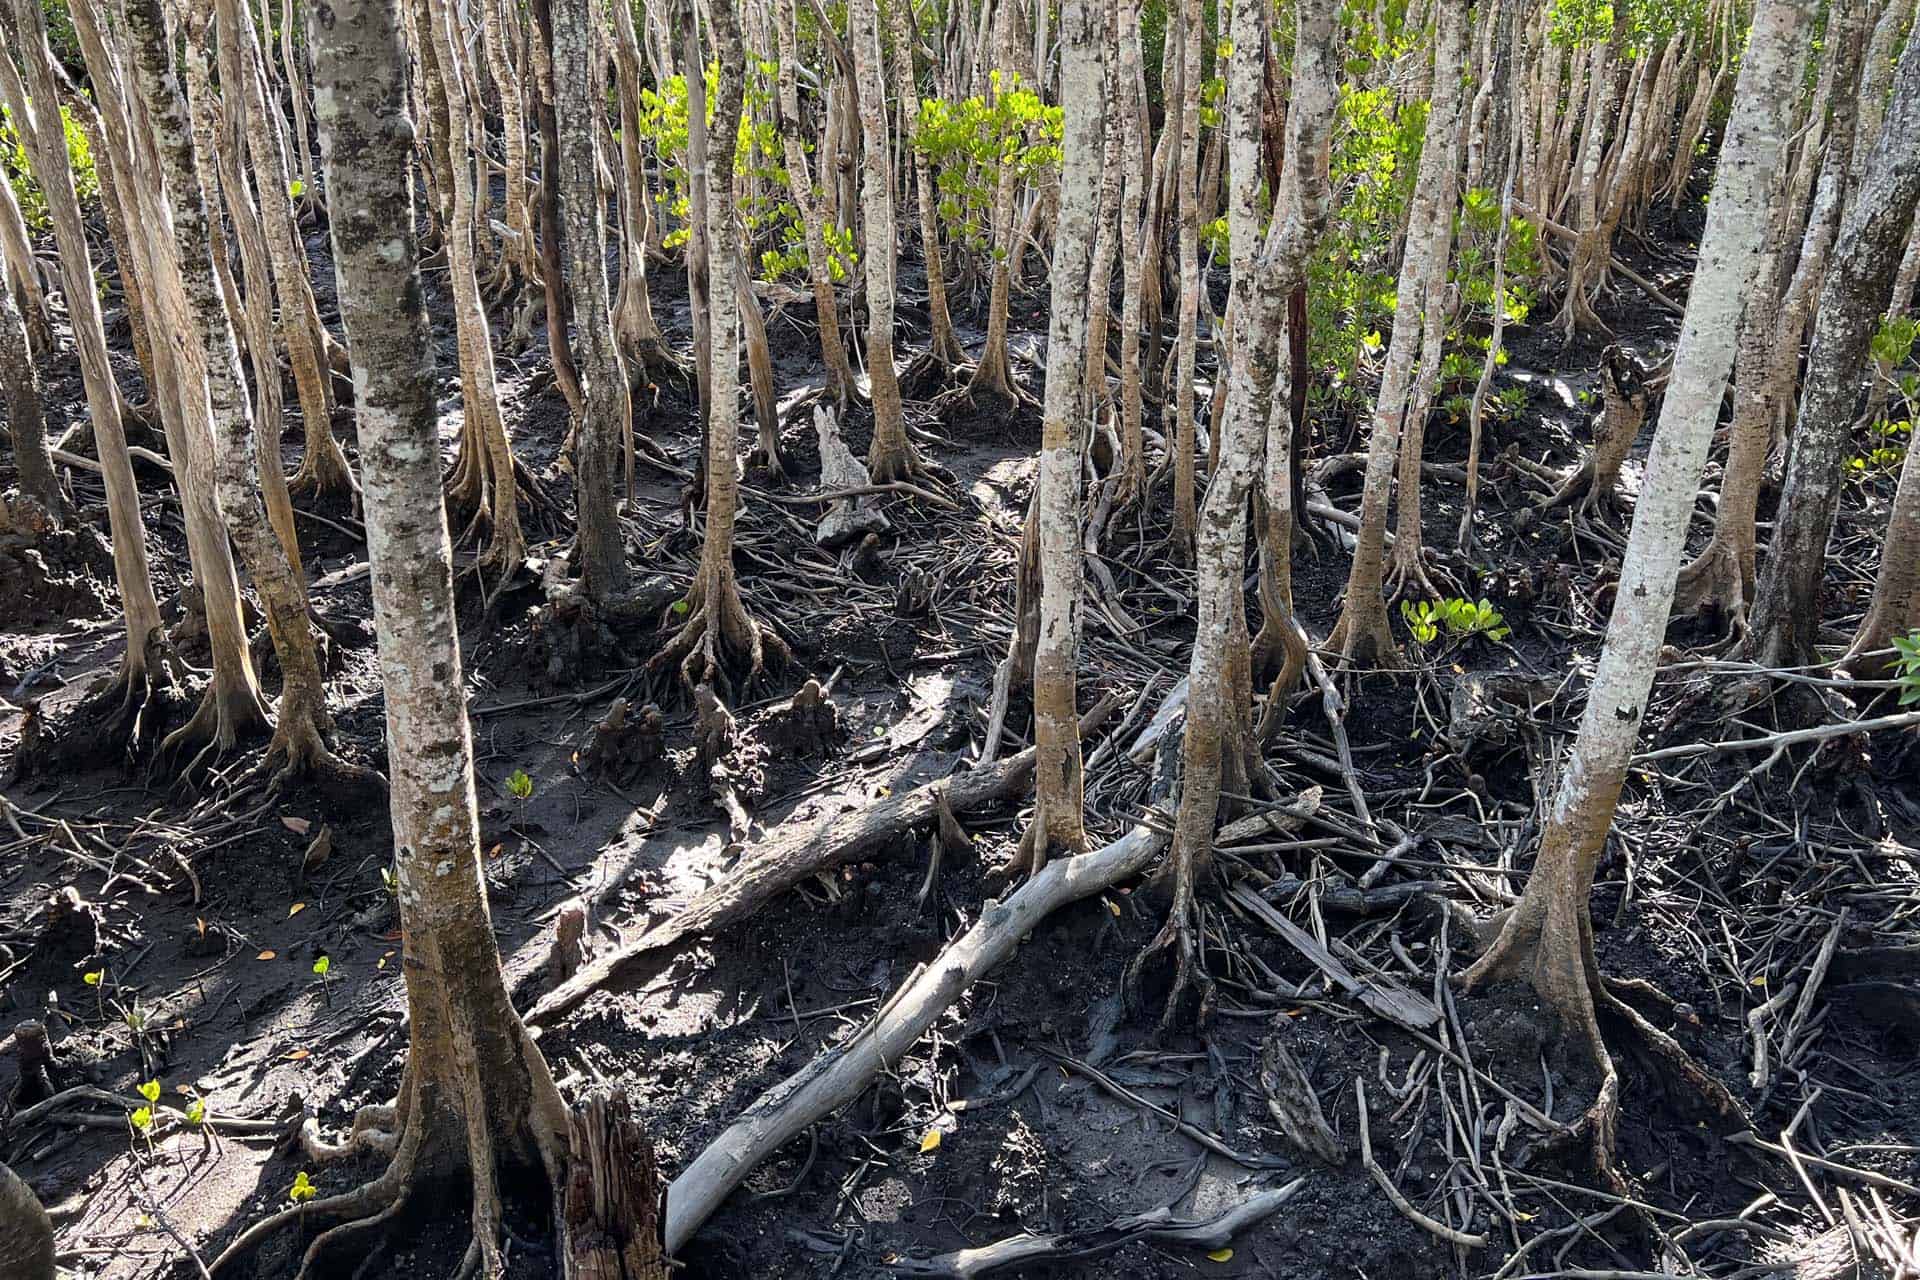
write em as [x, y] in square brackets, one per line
[207, 983]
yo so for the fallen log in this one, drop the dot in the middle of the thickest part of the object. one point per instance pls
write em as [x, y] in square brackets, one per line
[787, 856]
[842, 1073]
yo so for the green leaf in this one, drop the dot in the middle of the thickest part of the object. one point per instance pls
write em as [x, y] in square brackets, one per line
[519, 785]
[323, 965]
[150, 1091]
[302, 1188]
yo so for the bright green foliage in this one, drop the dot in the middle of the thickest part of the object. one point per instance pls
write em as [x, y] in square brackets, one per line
[302, 1188]
[1460, 619]
[19, 173]
[973, 141]
[519, 785]
[1887, 449]
[1906, 667]
[769, 214]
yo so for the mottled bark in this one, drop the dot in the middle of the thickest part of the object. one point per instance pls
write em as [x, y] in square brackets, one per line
[1059, 819]
[299, 736]
[601, 429]
[1895, 607]
[891, 456]
[26, 426]
[48, 154]
[1362, 632]
[477, 1102]
[826, 309]
[1786, 615]
[1548, 937]
[1193, 34]
[1267, 265]
[944, 344]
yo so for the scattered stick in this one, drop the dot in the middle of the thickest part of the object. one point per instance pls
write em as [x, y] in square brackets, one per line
[1027, 1250]
[1786, 738]
[1382, 995]
[1452, 1235]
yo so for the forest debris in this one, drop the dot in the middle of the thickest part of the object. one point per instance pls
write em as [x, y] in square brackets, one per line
[841, 1073]
[794, 853]
[847, 518]
[1283, 821]
[1027, 1250]
[1491, 712]
[809, 723]
[26, 1233]
[1379, 993]
[1294, 1105]
[610, 1223]
[1452, 1235]
[1186, 1128]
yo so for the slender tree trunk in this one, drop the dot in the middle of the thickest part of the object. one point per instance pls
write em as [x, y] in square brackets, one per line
[1786, 614]
[641, 341]
[719, 634]
[994, 372]
[46, 142]
[1362, 631]
[601, 430]
[26, 425]
[1193, 36]
[20, 265]
[498, 493]
[300, 734]
[1267, 267]
[323, 468]
[891, 456]
[944, 343]
[1059, 819]
[1548, 936]
[1130, 119]
[800, 181]
[477, 1103]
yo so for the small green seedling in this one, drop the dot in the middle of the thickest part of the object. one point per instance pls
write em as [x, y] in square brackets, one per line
[520, 786]
[97, 979]
[302, 1189]
[321, 968]
[389, 881]
[1906, 667]
[1461, 619]
[196, 1111]
[679, 608]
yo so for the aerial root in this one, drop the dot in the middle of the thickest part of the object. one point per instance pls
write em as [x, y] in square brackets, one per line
[216, 727]
[1179, 941]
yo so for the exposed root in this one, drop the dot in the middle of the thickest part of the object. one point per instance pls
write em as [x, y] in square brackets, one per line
[900, 462]
[718, 636]
[226, 715]
[298, 752]
[1717, 586]
[1178, 943]
[324, 472]
[1409, 576]
[1363, 634]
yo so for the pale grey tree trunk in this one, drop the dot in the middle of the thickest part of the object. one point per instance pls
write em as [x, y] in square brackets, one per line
[47, 147]
[1786, 615]
[1059, 818]
[477, 1102]
[1548, 937]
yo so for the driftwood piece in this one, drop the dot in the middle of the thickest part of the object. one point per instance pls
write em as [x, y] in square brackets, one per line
[841, 1073]
[1272, 822]
[847, 518]
[1294, 1105]
[792, 854]
[612, 1208]
[570, 948]
[1379, 993]
[1027, 1250]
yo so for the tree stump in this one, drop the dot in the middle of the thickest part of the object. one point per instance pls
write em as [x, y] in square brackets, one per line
[613, 1220]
